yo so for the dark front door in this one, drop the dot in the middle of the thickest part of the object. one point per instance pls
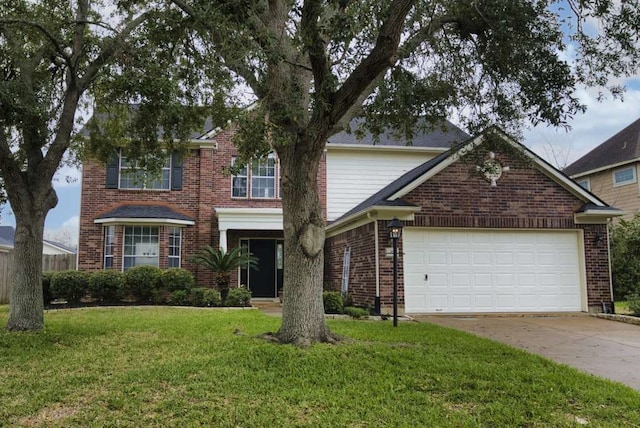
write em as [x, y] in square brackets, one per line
[262, 283]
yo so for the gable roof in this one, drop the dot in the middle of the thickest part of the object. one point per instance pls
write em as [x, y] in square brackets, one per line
[442, 135]
[59, 246]
[391, 195]
[8, 234]
[622, 148]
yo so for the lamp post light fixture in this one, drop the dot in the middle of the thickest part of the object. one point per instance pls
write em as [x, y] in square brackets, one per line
[395, 230]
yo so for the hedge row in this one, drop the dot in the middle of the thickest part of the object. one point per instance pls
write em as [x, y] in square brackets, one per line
[140, 284]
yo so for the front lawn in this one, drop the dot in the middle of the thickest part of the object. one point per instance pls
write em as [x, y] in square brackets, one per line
[188, 367]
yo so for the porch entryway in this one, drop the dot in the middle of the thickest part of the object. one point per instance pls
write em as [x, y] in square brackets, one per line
[267, 280]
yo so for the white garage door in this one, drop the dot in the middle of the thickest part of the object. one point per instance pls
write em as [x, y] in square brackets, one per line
[448, 271]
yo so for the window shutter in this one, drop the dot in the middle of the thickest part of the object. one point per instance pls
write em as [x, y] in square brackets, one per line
[112, 172]
[176, 171]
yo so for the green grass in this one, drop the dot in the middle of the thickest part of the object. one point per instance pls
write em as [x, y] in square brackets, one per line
[622, 307]
[185, 367]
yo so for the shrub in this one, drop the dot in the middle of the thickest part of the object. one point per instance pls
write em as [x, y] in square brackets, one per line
[634, 303]
[333, 302]
[177, 279]
[70, 285]
[106, 285]
[142, 281]
[356, 313]
[625, 257]
[238, 297]
[180, 298]
[196, 296]
[211, 298]
[160, 297]
[47, 295]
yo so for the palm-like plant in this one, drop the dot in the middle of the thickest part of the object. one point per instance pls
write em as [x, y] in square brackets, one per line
[222, 263]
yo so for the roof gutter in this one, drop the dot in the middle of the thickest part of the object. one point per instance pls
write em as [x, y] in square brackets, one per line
[372, 213]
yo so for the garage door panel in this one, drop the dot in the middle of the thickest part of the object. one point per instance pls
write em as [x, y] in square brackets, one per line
[491, 271]
[459, 258]
[481, 258]
[437, 258]
[483, 280]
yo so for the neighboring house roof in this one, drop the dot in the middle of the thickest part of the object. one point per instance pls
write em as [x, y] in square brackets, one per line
[7, 239]
[7, 235]
[391, 195]
[442, 135]
[624, 147]
[60, 246]
[144, 213]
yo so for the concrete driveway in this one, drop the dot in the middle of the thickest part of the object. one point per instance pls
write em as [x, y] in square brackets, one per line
[604, 348]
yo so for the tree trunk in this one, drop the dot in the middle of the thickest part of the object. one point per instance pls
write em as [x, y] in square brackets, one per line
[303, 310]
[27, 308]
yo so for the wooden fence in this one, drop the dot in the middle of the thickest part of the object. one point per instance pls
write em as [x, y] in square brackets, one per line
[55, 262]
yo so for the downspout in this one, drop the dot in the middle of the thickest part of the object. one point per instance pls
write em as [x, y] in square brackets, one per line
[613, 309]
[377, 262]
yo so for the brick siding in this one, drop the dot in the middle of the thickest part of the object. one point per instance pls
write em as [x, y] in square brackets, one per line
[457, 197]
[205, 187]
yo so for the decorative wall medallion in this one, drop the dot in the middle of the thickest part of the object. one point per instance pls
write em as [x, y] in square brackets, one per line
[492, 169]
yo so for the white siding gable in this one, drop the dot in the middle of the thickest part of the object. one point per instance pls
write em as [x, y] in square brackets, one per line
[354, 175]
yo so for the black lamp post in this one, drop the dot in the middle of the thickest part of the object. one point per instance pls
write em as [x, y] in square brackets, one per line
[395, 230]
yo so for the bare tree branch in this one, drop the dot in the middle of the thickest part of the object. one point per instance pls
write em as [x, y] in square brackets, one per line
[381, 57]
[314, 44]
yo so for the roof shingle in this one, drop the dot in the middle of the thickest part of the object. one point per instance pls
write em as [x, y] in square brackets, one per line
[144, 211]
[622, 147]
[437, 136]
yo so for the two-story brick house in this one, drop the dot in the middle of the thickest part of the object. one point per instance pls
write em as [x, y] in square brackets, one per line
[526, 240]
[126, 220]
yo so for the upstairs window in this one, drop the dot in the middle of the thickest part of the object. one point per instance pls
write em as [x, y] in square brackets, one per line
[123, 173]
[263, 178]
[259, 181]
[624, 176]
[239, 182]
[134, 176]
[584, 183]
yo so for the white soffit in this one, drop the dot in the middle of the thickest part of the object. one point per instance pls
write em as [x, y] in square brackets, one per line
[249, 218]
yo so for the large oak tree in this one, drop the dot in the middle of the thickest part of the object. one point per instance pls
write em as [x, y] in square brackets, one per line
[55, 57]
[313, 65]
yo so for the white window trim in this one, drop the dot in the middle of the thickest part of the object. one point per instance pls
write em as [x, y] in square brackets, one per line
[269, 177]
[586, 180]
[109, 230]
[169, 256]
[124, 240]
[249, 178]
[623, 183]
[144, 184]
[246, 177]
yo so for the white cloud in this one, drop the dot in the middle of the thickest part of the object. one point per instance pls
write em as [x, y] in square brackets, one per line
[601, 121]
[67, 233]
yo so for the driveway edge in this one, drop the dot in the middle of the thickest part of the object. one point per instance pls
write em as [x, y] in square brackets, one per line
[620, 318]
